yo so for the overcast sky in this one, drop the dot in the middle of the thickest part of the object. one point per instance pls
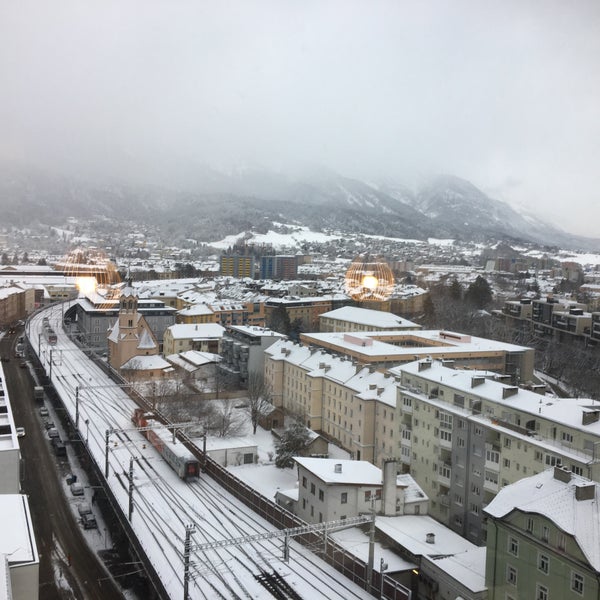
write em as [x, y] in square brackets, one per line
[503, 93]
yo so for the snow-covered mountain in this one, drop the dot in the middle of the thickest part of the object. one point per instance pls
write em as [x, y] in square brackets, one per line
[214, 205]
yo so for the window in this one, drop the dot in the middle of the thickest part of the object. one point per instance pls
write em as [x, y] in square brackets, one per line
[312, 489]
[529, 524]
[577, 582]
[344, 498]
[492, 456]
[567, 437]
[511, 575]
[513, 546]
[304, 482]
[321, 495]
[541, 592]
[507, 442]
[506, 463]
[543, 563]
[545, 533]
[561, 542]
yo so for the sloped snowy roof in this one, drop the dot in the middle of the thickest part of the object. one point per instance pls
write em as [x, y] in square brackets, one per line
[468, 567]
[196, 330]
[352, 472]
[146, 341]
[371, 318]
[546, 495]
[147, 363]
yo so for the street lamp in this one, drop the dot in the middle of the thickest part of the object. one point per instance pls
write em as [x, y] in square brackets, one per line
[87, 432]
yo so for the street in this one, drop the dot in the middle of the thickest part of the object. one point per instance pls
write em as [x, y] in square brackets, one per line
[68, 566]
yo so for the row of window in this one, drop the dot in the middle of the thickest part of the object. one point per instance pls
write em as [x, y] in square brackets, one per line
[542, 593]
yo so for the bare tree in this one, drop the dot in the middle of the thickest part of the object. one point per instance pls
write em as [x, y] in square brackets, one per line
[226, 419]
[259, 398]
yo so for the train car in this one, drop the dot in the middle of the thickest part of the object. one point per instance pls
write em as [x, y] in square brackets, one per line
[49, 334]
[176, 455]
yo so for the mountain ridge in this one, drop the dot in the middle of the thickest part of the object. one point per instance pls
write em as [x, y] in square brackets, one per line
[445, 206]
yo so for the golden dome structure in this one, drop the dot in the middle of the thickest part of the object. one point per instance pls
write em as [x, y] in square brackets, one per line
[369, 278]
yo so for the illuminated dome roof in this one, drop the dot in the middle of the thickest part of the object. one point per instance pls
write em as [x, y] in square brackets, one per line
[369, 278]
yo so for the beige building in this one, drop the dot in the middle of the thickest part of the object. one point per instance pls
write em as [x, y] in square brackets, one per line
[204, 337]
[351, 318]
[385, 349]
[336, 397]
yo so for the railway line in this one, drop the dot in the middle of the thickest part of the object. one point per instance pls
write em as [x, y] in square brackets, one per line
[164, 505]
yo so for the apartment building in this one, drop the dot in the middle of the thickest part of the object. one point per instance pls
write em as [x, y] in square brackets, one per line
[352, 318]
[332, 489]
[243, 350]
[279, 267]
[465, 435]
[19, 559]
[305, 310]
[236, 265]
[385, 349]
[543, 538]
[238, 313]
[97, 312]
[352, 404]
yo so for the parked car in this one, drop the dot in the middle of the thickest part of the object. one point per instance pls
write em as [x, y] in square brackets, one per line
[84, 509]
[72, 478]
[76, 489]
[20, 431]
[89, 521]
[43, 411]
[53, 433]
[49, 425]
[59, 447]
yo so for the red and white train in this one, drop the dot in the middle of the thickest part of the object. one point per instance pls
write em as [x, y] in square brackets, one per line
[180, 459]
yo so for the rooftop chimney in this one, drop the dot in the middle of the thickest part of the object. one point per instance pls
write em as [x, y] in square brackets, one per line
[585, 492]
[562, 474]
[337, 468]
[430, 538]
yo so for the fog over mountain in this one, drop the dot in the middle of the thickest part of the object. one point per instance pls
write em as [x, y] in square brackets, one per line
[149, 92]
[252, 200]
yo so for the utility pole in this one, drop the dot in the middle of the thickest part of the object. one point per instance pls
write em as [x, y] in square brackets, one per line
[107, 435]
[77, 408]
[189, 529]
[130, 487]
[50, 373]
[369, 580]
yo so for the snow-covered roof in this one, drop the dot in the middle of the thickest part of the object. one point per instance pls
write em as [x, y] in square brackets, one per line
[196, 331]
[349, 472]
[467, 568]
[196, 310]
[566, 411]
[190, 360]
[553, 494]
[431, 342]
[17, 540]
[412, 531]
[413, 492]
[147, 363]
[370, 318]
[146, 341]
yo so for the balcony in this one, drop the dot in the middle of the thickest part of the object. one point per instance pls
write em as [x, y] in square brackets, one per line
[490, 486]
[444, 474]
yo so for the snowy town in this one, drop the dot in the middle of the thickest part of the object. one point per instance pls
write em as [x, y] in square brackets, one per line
[235, 435]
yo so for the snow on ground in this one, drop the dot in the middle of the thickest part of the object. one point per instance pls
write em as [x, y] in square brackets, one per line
[266, 479]
[296, 237]
[582, 259]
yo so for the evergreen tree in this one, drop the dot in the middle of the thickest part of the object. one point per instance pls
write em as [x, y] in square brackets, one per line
[455, 290]
[280, 320]
[479, 294]
[292, 443]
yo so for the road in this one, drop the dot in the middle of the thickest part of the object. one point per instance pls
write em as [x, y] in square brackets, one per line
[57, 531]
